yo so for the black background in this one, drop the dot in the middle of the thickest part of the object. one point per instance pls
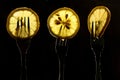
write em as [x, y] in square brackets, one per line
[42, 59]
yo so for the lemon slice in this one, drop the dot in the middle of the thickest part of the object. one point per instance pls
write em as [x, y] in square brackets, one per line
[98, 20]
[22, 23]
[63, 23]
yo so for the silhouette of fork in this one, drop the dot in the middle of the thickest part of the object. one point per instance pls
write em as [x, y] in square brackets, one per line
[23, 42]
[23, 27]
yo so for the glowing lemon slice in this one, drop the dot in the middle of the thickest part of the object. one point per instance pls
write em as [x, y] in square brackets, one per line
[23, 23]
[98, 20]
[63, 23]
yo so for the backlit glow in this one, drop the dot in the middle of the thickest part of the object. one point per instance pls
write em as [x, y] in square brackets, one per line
[26, 19]
[98, 20]
[63, 22]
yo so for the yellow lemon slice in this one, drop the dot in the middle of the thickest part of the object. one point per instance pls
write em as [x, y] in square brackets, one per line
[98, 20]
[22, 23]
[63, 23]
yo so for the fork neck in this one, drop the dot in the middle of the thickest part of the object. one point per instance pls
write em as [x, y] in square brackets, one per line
[23, 46]
[61, 48]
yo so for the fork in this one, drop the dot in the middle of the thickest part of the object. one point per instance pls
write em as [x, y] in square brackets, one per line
[23, 43]
[23, 27]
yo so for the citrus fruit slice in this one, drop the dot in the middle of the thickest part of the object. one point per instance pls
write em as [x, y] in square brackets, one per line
[22, 23]
[98, 20]
[63, 23]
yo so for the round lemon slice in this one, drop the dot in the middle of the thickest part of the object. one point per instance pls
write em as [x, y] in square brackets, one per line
[63, 23]
[98, 20]
[22, 23]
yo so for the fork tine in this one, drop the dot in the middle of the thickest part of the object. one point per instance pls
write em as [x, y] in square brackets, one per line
[21, 28]
[21, 22]
[25, 24]
[92, 28]
[28, 26]
[25, 21]
[17, 28]
[17, 24]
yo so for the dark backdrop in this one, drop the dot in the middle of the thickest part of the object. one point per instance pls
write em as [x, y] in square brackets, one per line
[42, 60]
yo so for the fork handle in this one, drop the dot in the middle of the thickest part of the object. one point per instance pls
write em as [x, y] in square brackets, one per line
[61, 48]
[23, 69]
[23, 46]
